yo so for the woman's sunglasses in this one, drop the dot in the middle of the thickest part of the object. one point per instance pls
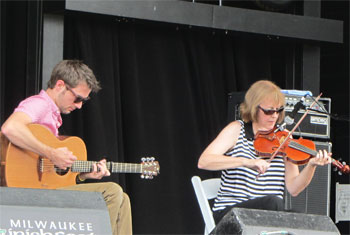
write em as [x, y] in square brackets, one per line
[271, 111]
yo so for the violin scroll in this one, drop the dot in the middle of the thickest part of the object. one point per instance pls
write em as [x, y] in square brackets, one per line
[342, 167]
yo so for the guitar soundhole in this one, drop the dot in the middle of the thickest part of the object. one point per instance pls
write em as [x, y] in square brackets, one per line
[61, 171]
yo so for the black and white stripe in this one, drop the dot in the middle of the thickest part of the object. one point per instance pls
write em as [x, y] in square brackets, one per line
[241, 184]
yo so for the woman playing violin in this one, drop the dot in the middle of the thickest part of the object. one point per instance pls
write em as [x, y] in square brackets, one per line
[247, 180]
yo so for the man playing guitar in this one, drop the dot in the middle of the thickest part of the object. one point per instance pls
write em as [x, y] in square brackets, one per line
[68, 88]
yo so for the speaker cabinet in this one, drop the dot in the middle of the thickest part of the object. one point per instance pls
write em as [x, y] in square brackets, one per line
[242, 221]
[42, 211]
[315, 199]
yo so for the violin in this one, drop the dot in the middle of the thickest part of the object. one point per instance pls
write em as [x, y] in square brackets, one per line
[299, 151]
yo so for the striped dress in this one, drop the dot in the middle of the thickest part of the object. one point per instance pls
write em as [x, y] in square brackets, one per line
[240, 184]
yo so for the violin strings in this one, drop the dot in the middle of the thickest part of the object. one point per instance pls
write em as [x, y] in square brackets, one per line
[302, 148]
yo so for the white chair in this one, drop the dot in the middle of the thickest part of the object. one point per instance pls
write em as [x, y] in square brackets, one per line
[206, 190]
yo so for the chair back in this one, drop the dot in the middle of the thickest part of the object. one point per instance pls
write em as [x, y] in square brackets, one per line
[206, 190]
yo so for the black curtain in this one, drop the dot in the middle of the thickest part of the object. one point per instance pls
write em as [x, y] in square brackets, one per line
[164, 95]
[14, 16]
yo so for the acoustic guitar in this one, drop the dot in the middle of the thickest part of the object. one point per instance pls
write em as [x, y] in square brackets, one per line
[23, 168]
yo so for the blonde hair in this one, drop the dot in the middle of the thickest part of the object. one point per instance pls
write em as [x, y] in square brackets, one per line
[259, 91]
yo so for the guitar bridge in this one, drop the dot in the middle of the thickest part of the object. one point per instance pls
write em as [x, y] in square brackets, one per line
[40, 168]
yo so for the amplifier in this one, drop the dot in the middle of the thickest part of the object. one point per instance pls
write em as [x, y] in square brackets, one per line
[316, 124]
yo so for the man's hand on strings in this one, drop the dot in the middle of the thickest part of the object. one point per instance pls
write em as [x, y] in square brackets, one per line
[62, 158]
[99, 170]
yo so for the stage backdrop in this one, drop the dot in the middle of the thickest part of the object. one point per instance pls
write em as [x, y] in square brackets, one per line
[164, 95]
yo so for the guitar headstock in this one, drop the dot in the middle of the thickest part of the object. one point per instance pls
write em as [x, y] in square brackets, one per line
[342, 167]
[150, 167]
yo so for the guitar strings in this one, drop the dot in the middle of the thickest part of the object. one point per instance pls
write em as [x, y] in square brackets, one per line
[46, 165]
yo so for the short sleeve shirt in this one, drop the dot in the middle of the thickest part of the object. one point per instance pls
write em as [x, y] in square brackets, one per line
[42, 110]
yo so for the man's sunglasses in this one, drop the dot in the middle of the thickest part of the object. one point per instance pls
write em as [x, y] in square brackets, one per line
[271, 111]
[78, 98]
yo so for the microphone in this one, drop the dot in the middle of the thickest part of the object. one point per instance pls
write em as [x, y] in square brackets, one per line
[289, 120]
[281, 127]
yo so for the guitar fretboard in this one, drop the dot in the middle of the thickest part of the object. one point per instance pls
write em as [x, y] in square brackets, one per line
[114, 167]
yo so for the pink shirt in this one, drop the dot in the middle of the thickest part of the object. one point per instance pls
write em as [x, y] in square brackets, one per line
[42, 110]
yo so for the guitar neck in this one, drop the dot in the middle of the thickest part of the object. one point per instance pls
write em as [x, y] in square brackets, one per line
[113, 167]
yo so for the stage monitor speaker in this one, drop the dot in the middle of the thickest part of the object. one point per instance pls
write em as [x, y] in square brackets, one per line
[43, 211]
[315, 199]
[242, 221]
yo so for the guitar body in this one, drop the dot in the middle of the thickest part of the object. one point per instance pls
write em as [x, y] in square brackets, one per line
[25, 169]
[21, 167]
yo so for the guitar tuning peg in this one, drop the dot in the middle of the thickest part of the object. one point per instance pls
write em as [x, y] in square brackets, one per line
[142, 176]
[340, 173]
[344, 163]
[335, 169]
[143, 159]
[152, 159]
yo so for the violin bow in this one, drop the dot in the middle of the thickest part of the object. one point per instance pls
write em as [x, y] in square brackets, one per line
[294, 128]
[292, 131]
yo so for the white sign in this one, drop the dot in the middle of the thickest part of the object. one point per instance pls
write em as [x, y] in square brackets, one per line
[342, 202]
